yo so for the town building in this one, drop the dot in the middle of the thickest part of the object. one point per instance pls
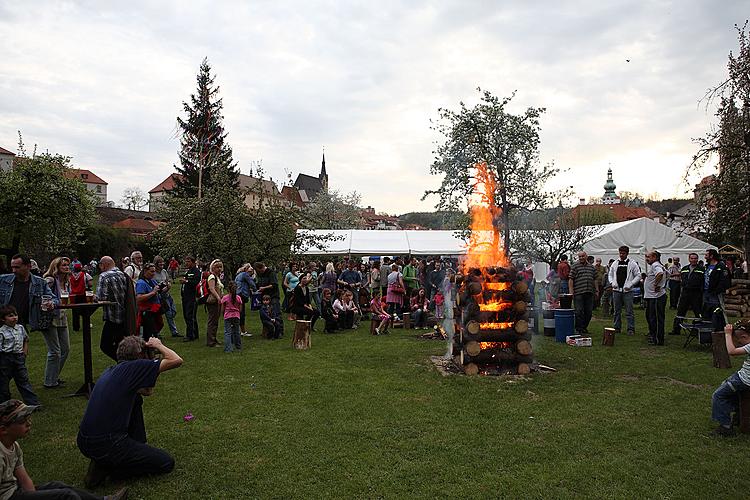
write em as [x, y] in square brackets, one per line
[611, 208]
[309, 186]
[376, 221]
[259, 191]
[6, 160]
[93, 183]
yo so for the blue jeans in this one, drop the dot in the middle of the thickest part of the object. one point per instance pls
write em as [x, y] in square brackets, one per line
[58, 347]
[13, 366]
[727, 400]
[170, 313]
[232, 334]
[618, 300]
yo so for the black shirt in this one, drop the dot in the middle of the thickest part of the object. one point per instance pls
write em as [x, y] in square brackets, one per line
[192, 278]
[622, 272]
[20, 300]
[268, 278]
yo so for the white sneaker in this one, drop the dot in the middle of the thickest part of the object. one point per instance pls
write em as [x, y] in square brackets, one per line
[377, 331]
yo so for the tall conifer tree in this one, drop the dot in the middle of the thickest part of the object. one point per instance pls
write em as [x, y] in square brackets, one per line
[203, 150]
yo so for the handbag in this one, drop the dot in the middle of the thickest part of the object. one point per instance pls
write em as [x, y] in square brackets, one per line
[397, 289]
[45, 319]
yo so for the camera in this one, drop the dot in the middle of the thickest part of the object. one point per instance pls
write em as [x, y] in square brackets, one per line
[163, 286]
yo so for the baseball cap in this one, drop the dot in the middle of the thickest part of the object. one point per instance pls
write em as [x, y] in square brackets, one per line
[14, 411]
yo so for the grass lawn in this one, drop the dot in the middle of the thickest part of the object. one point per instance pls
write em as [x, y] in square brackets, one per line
[361, 416]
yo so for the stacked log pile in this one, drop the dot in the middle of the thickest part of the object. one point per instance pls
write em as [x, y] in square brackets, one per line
[737, 299]
[494, 335]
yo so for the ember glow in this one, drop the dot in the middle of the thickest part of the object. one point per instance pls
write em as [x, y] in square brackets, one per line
[498, 286]
[496, 307]
[495, 345]
[496, 326]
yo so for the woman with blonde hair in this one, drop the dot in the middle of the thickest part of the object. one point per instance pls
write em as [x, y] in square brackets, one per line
[56, 336]
[213, 302]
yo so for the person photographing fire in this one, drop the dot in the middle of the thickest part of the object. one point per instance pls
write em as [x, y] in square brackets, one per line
[725, 399]
[112, 432]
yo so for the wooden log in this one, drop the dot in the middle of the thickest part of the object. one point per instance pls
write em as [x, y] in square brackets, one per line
[521, 287]
[524, 369]
[719, 350]
[523, 347]
[733, 314]
[407, 320]
[735, 307]
[508, 335]
[473, 327]
[519, 307]
[473, 348]
[474, 288]
[471, 369]
[740, 299]
[740, 281]
[301, 339]
[609, 337]
[740, 291]
[521, 326]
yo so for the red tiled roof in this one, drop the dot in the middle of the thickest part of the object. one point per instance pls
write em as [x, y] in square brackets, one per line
[4, 151]
[167, 184]
[292, 194]
[619, 211]
[136, 225]
[84, 175]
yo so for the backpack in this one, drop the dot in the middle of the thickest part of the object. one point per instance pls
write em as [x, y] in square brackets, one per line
[201, 289]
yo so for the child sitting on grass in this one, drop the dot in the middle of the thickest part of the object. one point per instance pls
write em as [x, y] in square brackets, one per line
[376, 308]
[725, 399]
[231, 306]
[15, 482]
[14, 345]
[270, 320]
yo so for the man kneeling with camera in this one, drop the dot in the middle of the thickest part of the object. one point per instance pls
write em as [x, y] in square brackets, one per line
[112, 432]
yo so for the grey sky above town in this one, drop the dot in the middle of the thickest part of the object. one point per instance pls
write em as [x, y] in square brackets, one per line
[103, 82]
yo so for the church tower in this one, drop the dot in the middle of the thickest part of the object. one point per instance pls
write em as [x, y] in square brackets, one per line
[610, 197]
[323, 174]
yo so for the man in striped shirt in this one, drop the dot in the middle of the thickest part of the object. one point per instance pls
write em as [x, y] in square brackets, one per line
[581, 285]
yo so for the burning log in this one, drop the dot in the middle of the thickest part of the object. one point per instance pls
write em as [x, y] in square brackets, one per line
[494, 356]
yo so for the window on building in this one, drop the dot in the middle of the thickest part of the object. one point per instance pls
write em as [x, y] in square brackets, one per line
[98, 189]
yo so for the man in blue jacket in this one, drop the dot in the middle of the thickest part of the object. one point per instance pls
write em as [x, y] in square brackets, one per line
[25, 292]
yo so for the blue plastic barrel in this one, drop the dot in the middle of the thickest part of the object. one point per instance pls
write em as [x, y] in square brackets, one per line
[549, 322]
[565, 320]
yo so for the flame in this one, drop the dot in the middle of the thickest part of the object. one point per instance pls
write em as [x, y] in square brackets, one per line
[484, 248]
[498, 286]
[495, 326]
[496, 306]
[495, 345]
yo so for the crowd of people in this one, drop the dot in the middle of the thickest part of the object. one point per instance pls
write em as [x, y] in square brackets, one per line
[138, 303]
[621, 283]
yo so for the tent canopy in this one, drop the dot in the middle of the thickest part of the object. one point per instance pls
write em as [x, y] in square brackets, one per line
[640, 235]
[364, 242]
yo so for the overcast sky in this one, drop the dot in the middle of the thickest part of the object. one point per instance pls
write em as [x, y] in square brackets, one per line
[103, 82]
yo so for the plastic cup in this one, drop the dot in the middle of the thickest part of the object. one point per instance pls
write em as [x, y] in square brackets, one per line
[89, 297]
[64, 299]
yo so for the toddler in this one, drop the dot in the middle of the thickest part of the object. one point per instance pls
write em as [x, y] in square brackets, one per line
[14, 345]
[439, 305]
[378, 313]
[272, 323]
[725, 399]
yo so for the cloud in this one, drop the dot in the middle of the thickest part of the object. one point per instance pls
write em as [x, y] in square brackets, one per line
[104, 82]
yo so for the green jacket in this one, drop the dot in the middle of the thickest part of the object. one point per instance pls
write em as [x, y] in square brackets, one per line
[410, 276]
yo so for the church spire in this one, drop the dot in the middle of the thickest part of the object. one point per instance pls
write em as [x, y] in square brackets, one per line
[323, 174]
[610, 197]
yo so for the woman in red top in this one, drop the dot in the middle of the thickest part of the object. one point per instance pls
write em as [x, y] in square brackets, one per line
[80, 282]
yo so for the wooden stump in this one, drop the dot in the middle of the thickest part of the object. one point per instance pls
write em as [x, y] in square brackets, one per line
[471, 369]
[719, 349]
[609, 337]
[523, 347]
[266, 333]
[301, 339]
[407, 320]
[744, 412]
[524, 369]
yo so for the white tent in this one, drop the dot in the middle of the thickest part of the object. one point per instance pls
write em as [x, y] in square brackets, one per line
[364, 242]
[639, 234]
[642, 235]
